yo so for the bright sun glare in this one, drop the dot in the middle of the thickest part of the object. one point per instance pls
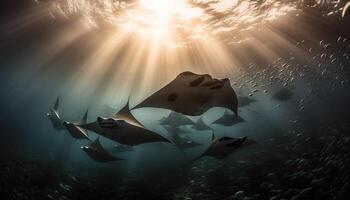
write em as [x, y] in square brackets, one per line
[158, 6]
[155, 17]
[176, 21]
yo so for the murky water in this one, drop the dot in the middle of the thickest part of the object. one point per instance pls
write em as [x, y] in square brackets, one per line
[293, 101]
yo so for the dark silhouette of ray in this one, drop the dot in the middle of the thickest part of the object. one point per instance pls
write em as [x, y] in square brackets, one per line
[225, 146]
[98, 153]
[193, 94]
[123, 132]
[54, 116]
[180, 142]
[75, 131]
[125, 114]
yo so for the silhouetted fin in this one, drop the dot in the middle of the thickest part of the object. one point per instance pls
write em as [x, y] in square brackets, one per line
[76, 131]
[200, 125]
[55, 107]
[84, 119]
[54, 116]
[176, 119]
[96, 144]
[96, 151]
[181, 95]
[228, 119]
[125, 114]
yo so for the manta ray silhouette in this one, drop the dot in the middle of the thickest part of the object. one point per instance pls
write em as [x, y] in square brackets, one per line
[181, 142]
[54, 116]
[98, 153]
[193, 94]
[75, 131]
[225, 146]
[123, 132]
[188, 94]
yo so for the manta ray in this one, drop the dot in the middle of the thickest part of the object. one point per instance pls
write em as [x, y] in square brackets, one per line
[193, 94]
[98, 153]
[75, 131]
[225, 146]
[123, 132]
[179, 141]
[188, 94]
[54, 116]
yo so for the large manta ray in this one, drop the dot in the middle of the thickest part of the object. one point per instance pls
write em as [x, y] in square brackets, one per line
[189, 94]
[193, 94]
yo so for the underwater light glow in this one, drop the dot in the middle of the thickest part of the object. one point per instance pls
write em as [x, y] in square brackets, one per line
[176, 21]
